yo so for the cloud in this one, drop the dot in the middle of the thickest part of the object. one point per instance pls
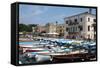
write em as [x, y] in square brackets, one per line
[37, 12]
[27, 11]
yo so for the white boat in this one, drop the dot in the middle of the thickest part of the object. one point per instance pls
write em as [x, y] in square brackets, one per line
[26, 46]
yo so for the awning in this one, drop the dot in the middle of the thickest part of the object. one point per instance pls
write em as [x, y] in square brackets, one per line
[53, 33]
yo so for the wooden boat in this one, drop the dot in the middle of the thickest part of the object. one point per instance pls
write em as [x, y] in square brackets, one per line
[73, 57]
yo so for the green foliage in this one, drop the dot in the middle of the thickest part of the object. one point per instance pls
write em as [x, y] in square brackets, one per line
[26, 28]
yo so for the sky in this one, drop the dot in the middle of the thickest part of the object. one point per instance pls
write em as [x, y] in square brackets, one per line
[39, 14]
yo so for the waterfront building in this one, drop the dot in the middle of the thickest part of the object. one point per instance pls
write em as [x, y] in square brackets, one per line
[51, 30]
[80, 26]
[60, 29]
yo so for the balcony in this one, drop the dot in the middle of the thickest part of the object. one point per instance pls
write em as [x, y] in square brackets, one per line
[73, 23]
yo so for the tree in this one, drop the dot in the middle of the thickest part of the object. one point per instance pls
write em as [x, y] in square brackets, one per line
[30, 27]
[27, 28]
[22, 27]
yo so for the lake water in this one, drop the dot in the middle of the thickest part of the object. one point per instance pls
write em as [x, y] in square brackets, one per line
[25, 43]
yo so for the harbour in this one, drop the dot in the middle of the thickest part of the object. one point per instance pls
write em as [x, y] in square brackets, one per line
[52, 50]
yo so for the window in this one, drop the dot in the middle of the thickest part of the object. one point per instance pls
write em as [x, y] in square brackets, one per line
[60, 26]
[75, 20]
[81, 19]
[76, 29]
[89, 28]
[66, 22]
[66, 29]
[69, 30]
[60, 30]
[88, 19]
[88, 36]
[94, 20]
[73, 29]
[70, 22]
[80, 27]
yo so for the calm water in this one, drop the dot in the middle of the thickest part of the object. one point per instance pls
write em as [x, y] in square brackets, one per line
[25, 43]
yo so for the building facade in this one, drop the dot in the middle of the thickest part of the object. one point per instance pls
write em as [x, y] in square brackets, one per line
[41, 29]
[50, 28]
[80, 26]
[60, 29]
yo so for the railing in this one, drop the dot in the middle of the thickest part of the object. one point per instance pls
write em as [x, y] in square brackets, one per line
[73, 23]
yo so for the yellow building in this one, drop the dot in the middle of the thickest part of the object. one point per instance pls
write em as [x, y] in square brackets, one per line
[51, 30]
[60, 29]
[55, 28]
